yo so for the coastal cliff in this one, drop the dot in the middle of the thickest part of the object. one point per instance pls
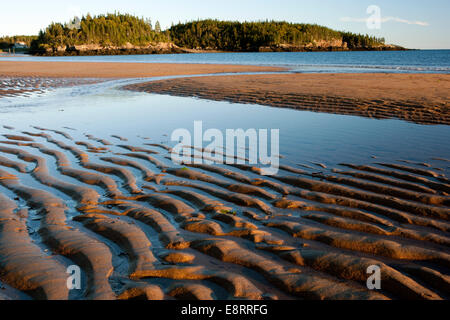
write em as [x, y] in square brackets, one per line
[323, 45]
[97, 49]
[171, 48]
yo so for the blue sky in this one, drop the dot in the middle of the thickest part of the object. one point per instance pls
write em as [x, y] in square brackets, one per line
[413, 23]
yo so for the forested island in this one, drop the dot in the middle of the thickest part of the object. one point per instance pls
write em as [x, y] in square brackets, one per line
[268, 36]
[126, 34]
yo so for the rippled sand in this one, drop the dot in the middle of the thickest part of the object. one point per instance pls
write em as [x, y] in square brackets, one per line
[141, 227]
[13, 87]
[419, 98]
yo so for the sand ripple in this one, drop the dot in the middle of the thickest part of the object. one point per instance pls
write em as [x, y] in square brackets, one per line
[13, 87]
[419, 98]
[141, 227]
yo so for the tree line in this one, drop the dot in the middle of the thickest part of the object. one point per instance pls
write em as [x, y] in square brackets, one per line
[112, 29]
[249, 36]
[118, 29]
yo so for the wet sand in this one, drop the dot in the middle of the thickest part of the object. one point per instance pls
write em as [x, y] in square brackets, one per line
[420, 98]
[215, 232]
[22, 78]
[26, 86]
[52, 69]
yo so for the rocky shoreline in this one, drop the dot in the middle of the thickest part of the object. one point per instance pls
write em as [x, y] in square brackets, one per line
[96, 49]
[170, 48]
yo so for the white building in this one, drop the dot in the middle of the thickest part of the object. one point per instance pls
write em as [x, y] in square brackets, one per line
[20, 45]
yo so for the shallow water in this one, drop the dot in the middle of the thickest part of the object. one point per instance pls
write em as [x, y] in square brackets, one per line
[104, 110]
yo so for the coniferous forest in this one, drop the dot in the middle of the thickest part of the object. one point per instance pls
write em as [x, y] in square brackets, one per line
[110, 30]
[124, 33]
[250, 36]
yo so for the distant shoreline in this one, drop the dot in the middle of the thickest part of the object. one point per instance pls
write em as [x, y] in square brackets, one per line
[178, 50]
[122, 52]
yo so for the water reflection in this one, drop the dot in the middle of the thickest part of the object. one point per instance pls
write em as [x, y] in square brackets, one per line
[104, 110]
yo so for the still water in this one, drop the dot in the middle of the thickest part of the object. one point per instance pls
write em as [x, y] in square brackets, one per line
[305, 137]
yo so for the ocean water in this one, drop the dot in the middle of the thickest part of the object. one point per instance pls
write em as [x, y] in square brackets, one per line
[415, 61]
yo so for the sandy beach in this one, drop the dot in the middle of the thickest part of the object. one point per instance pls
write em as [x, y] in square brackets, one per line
[420, 98]
[142, 227]
[51, 69]
[23, 77]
